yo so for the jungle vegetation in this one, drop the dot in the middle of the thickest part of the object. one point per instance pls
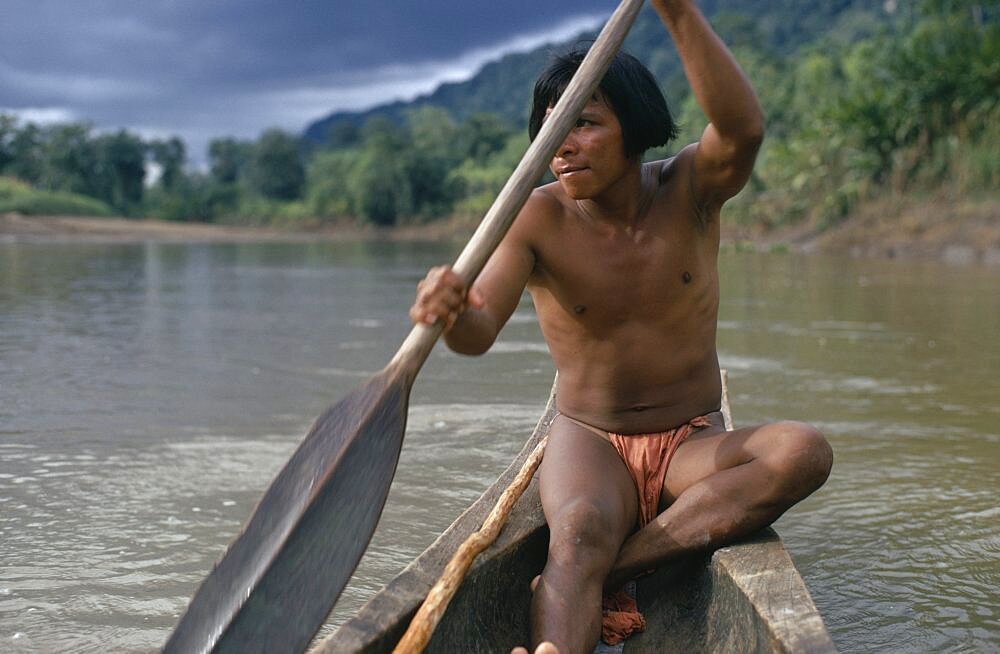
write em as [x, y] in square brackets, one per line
[862, 98]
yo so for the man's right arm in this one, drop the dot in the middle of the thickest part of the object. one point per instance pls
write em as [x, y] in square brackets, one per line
[473, 320]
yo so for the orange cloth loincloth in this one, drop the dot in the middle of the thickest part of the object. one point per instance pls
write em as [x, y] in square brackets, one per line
[620, 617]
[647, 457]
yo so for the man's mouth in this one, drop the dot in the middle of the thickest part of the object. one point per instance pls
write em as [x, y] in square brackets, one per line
[566, 170]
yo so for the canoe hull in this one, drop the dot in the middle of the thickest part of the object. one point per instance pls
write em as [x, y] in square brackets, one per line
[747, 597]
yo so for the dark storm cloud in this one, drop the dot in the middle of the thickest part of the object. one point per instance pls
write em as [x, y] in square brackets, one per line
[205, 68]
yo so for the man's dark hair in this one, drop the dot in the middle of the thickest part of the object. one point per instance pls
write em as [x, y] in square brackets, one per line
[629, 88]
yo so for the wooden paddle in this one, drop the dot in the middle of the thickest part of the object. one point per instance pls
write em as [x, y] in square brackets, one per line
[279, 579]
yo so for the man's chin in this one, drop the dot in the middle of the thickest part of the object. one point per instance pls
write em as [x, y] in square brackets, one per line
[577, 192]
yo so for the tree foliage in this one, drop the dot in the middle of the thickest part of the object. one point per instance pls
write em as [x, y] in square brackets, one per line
[862, 97]
[908, 109]
[275, 168]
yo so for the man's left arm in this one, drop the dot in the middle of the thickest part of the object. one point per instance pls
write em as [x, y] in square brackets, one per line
[725, 154]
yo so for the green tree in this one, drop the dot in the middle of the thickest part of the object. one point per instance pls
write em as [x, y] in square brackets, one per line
[170, 156]
[481, 135]
[432, 131]
[229, 162]
[433, 146]
[27, 149]
[119, 171]
[379, 182]
[380, 187]
[344, 134]
[8, 131]
[229, 159]
[70, 159]
[328, 184]
[480, 180]
[276, 170]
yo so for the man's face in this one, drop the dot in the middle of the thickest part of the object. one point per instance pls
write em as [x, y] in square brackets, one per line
[592, 158]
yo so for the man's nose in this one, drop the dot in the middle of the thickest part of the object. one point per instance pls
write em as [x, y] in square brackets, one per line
[569, 146]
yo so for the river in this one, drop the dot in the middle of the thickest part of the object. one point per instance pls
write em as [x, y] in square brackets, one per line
[150, 391]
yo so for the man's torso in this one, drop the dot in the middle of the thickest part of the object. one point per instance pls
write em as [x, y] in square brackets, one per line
[629, 314]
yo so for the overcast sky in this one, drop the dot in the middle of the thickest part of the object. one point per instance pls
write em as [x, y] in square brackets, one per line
[201, 69]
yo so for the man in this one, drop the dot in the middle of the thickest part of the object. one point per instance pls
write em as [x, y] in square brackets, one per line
[620, 258]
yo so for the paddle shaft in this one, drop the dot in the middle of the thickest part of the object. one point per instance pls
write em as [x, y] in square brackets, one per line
[417, 346]
[727, 414]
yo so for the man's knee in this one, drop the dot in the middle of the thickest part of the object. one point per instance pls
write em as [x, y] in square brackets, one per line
[583, 534]
[802, 456]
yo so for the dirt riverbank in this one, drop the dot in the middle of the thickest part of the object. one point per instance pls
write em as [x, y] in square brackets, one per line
[81, 229]
[955, 232]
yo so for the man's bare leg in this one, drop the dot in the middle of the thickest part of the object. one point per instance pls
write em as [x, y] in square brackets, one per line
[590, 505]
[727, 485]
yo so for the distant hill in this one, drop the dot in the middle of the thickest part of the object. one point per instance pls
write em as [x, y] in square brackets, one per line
[503, 87]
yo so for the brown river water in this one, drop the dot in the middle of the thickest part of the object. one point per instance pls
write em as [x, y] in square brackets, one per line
[149, 392]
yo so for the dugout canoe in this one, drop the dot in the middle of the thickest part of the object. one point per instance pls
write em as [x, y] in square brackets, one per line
[747, 597]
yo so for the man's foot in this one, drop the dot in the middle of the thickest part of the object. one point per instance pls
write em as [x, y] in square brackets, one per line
[544, 648]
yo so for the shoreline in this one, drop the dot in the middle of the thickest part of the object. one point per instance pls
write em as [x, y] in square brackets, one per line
[964, 233]
[18, 228]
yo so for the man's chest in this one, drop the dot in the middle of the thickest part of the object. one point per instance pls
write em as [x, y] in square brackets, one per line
[606, 279]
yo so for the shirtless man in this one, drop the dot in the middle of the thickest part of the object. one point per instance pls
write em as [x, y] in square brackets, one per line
[620, 259]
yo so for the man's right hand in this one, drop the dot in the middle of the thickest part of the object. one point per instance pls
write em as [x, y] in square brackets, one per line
[442, 296]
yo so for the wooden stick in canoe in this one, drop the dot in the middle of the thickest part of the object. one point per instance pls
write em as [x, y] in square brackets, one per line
[418, 634]
[281, 576]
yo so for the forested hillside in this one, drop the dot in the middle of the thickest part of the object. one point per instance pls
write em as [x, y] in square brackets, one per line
[864, 100]
[503, 87]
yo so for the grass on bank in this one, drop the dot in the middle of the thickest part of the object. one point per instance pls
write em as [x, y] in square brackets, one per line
[19, 197]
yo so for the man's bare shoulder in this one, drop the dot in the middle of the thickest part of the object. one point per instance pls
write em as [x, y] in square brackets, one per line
[676, 177]
[545, 209]
[541, 216]
[549, 198]
[668, 170]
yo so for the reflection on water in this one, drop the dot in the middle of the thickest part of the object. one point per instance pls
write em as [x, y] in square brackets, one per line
[148, 393]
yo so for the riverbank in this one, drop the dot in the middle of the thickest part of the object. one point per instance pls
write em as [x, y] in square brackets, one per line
[82, 229]
[962, 232]
[956, 232]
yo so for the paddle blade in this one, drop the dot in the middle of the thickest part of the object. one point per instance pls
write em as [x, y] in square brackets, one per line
[279, 579]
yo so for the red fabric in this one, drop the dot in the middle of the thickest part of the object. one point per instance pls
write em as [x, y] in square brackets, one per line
[621, 618]
[647, 457]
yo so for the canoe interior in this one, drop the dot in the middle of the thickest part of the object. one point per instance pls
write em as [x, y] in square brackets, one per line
[747, 597]
[518, 554]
